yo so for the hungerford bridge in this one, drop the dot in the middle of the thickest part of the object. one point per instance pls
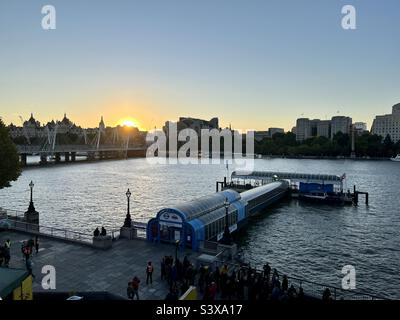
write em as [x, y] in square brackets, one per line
[94, 150]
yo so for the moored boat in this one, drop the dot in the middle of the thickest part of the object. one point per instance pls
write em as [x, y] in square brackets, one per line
[397, 158]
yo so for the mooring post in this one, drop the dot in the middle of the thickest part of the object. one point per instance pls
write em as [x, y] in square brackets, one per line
[216, 186]
[366, 198]
[355, 195]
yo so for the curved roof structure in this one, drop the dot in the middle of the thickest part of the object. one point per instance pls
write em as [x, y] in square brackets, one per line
[256, 192]
[204, 205]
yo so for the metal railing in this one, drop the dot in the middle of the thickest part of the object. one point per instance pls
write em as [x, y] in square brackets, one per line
[11, 213]
[311, 289]
[316, 290]
[16, 220]
[53, 232]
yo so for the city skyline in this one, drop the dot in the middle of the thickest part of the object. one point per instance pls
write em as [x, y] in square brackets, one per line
[253, 66]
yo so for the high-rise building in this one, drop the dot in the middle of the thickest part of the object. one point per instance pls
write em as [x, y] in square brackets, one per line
[324, 128]
[388, 124]
[306, 128]
[340, 124]
[303, 129]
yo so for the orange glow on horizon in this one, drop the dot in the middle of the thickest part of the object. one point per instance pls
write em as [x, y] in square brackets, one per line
[129, 122]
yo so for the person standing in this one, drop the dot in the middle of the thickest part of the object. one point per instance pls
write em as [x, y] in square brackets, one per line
[7, 252]
[37, 244]
[31, 244]
[7, 244]
[135, 287]
[26, 250]
[149, 273]
[267, 271]
[129, 291]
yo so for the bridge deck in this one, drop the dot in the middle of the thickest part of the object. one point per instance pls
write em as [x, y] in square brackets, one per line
[35, 149]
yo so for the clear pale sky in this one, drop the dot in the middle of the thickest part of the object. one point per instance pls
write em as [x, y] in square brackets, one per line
[254, 64]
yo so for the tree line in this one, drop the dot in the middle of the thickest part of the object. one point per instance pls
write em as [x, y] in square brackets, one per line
[366, 145]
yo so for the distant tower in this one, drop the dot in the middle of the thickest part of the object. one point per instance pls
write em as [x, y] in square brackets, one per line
[102, 127]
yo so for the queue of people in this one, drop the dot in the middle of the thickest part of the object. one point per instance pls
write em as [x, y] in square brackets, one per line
[179, 275]
[227, 283]
[28, 248]
[223, 282]
[246, 283]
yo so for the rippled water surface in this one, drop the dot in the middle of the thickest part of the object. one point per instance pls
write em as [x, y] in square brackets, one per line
[311, 241]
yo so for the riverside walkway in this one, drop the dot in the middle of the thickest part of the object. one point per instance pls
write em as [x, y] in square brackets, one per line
[80, 267]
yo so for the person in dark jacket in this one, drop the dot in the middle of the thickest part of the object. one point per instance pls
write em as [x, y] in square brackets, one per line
[129, 291]
[135, 287]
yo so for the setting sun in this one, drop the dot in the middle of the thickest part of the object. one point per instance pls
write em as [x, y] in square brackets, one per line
[129, 123]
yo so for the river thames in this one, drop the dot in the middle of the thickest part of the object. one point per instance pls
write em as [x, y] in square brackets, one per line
[305, 240]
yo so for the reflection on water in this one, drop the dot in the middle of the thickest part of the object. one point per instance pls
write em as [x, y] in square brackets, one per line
[312, 241]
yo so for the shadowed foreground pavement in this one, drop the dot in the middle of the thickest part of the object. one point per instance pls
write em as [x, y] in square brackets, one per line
[82, 268]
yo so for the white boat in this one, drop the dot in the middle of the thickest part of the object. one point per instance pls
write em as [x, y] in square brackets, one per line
[397, 158]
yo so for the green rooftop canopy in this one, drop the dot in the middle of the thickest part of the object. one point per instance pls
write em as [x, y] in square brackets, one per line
[11, 279]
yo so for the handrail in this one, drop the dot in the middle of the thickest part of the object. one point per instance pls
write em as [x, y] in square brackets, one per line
[336, 290]
[50, 231]
[17, 212]
[12, 214]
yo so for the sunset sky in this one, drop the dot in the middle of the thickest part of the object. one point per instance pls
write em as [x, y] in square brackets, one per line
[255, 64]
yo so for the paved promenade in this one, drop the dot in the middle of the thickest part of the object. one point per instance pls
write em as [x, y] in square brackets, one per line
[81, 268]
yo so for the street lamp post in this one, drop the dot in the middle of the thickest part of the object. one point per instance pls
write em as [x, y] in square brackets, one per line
[31, 206]
[31, 216]
[128, 220]
[31, 185]
[226, 238]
